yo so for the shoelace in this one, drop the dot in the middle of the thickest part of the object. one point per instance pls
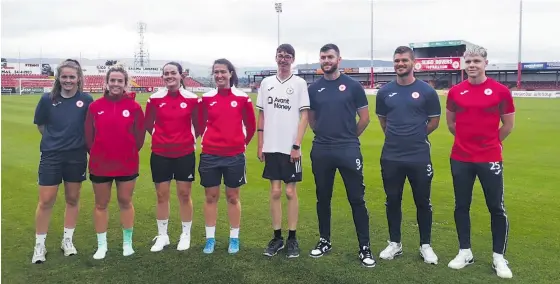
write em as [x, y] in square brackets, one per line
[366, 252]
[38, 250]
[292, 245]
[321, 243]
[68, 244]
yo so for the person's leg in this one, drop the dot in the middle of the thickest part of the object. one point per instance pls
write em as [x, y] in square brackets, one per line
[491, 176]
[464, 175]
[161, 176]
[184, 170]
[235, 176]
[420, 176]
[272, 172]
[73, 173]
[393, 176]
[292, 174]
[323, 173]
[125, 190]
[49, 179]
[102, 192]
[210, 179]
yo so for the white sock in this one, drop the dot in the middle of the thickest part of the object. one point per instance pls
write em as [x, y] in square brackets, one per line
[68, 233]
[497, 256]
[102, 239]
[210, 231]
[234, 233]
[40, 239]
[187, 227]
[162, 227]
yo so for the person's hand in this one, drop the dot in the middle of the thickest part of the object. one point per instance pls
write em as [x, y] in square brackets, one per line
[260, 154]
[295, 155]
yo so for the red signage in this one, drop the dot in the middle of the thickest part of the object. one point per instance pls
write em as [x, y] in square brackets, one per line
[437, 64]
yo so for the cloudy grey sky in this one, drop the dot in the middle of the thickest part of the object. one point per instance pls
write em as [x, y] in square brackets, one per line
[245, 31]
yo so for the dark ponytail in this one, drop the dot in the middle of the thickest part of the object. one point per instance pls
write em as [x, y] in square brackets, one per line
[179, 68]
[234, 81]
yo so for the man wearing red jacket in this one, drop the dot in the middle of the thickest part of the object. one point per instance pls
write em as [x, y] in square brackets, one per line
[171, 119]
[475, 108]
[227, 117]
[114, 136]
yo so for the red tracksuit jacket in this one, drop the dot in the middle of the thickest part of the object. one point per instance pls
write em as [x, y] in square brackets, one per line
[227, 119]
[114, 135]
[171, 119]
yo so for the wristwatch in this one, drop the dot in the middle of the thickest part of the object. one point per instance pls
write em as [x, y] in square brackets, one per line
[295, 147]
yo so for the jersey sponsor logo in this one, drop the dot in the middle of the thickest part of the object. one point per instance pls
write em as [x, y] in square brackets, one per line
[100, 112]
[488, 92]
[415, 95]
[279, 103]
[342, 87]
[270, 89]
[79, 104]
[125, 113]
[233, 104]
[183, 105]
[161, 105]
[464, 92]
[212, 103]
[289, 90]
[392, 94]
[320, 90]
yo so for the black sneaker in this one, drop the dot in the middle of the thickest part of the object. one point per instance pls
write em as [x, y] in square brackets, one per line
[292, 248]
[366, 257]
[273, 247]
[322, 247]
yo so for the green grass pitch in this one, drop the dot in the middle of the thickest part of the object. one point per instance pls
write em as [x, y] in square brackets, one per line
[532, 156]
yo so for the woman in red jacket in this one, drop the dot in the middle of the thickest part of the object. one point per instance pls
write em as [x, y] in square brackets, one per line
[171, 115]
[114, 136]
[227, 118]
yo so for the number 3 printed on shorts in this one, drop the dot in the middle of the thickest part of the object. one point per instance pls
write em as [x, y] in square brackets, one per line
[496, 167]
[358, 164]
[429, 170]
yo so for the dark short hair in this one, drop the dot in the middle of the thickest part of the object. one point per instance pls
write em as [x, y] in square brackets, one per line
[404, 49]
[287, 48]
[234, 79]
[179, 69]
[330, 46]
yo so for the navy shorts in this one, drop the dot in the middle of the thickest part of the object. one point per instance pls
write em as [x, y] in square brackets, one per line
[277, 166]
[212, 168]
[165, 169]
[104, 179]
[58, 166]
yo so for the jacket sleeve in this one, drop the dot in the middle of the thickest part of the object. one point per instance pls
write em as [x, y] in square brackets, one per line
[202, 114]
[249, 120]
[150, 117]
[194, 118]
[139, 129]
[89, 129]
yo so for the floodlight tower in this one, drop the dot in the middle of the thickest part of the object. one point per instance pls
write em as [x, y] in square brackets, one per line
[278, 7]
[141, 56]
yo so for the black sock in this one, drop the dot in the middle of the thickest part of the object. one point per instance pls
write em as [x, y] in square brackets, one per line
[278, 234]
[291, 234]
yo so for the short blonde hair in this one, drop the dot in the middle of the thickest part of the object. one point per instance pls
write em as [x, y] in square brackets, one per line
[476, 50]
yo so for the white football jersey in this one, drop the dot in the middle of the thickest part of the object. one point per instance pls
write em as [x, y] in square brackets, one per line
[281, 102]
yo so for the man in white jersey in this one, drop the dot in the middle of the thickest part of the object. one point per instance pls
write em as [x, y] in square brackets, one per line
[283, 102]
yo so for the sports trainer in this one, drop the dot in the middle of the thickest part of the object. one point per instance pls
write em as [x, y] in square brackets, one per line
[408, 110]
[475, 108]
[283, 104]
[60, 117]
[335, 99]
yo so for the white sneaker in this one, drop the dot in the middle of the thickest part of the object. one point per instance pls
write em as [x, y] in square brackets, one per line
[500, 264]
[127, 250]
[184, 242]
[100, 253]
[392, 250]
[161, 242]
[428, 254]
[39, 254]
[463, 258]
[68, 247]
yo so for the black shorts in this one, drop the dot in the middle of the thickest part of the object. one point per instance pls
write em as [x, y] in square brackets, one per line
[102, 179]
[277, 166]
[165, 169]
[56, 166]
[212, 168]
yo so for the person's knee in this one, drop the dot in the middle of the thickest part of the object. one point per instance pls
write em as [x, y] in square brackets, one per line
[125, 202]
[276, 193]
[184, 195]
[232, 197]
[291, 192]
[162, 196]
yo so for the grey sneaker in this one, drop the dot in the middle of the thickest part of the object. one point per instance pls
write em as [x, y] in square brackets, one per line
[273, 247]
[292, 249]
